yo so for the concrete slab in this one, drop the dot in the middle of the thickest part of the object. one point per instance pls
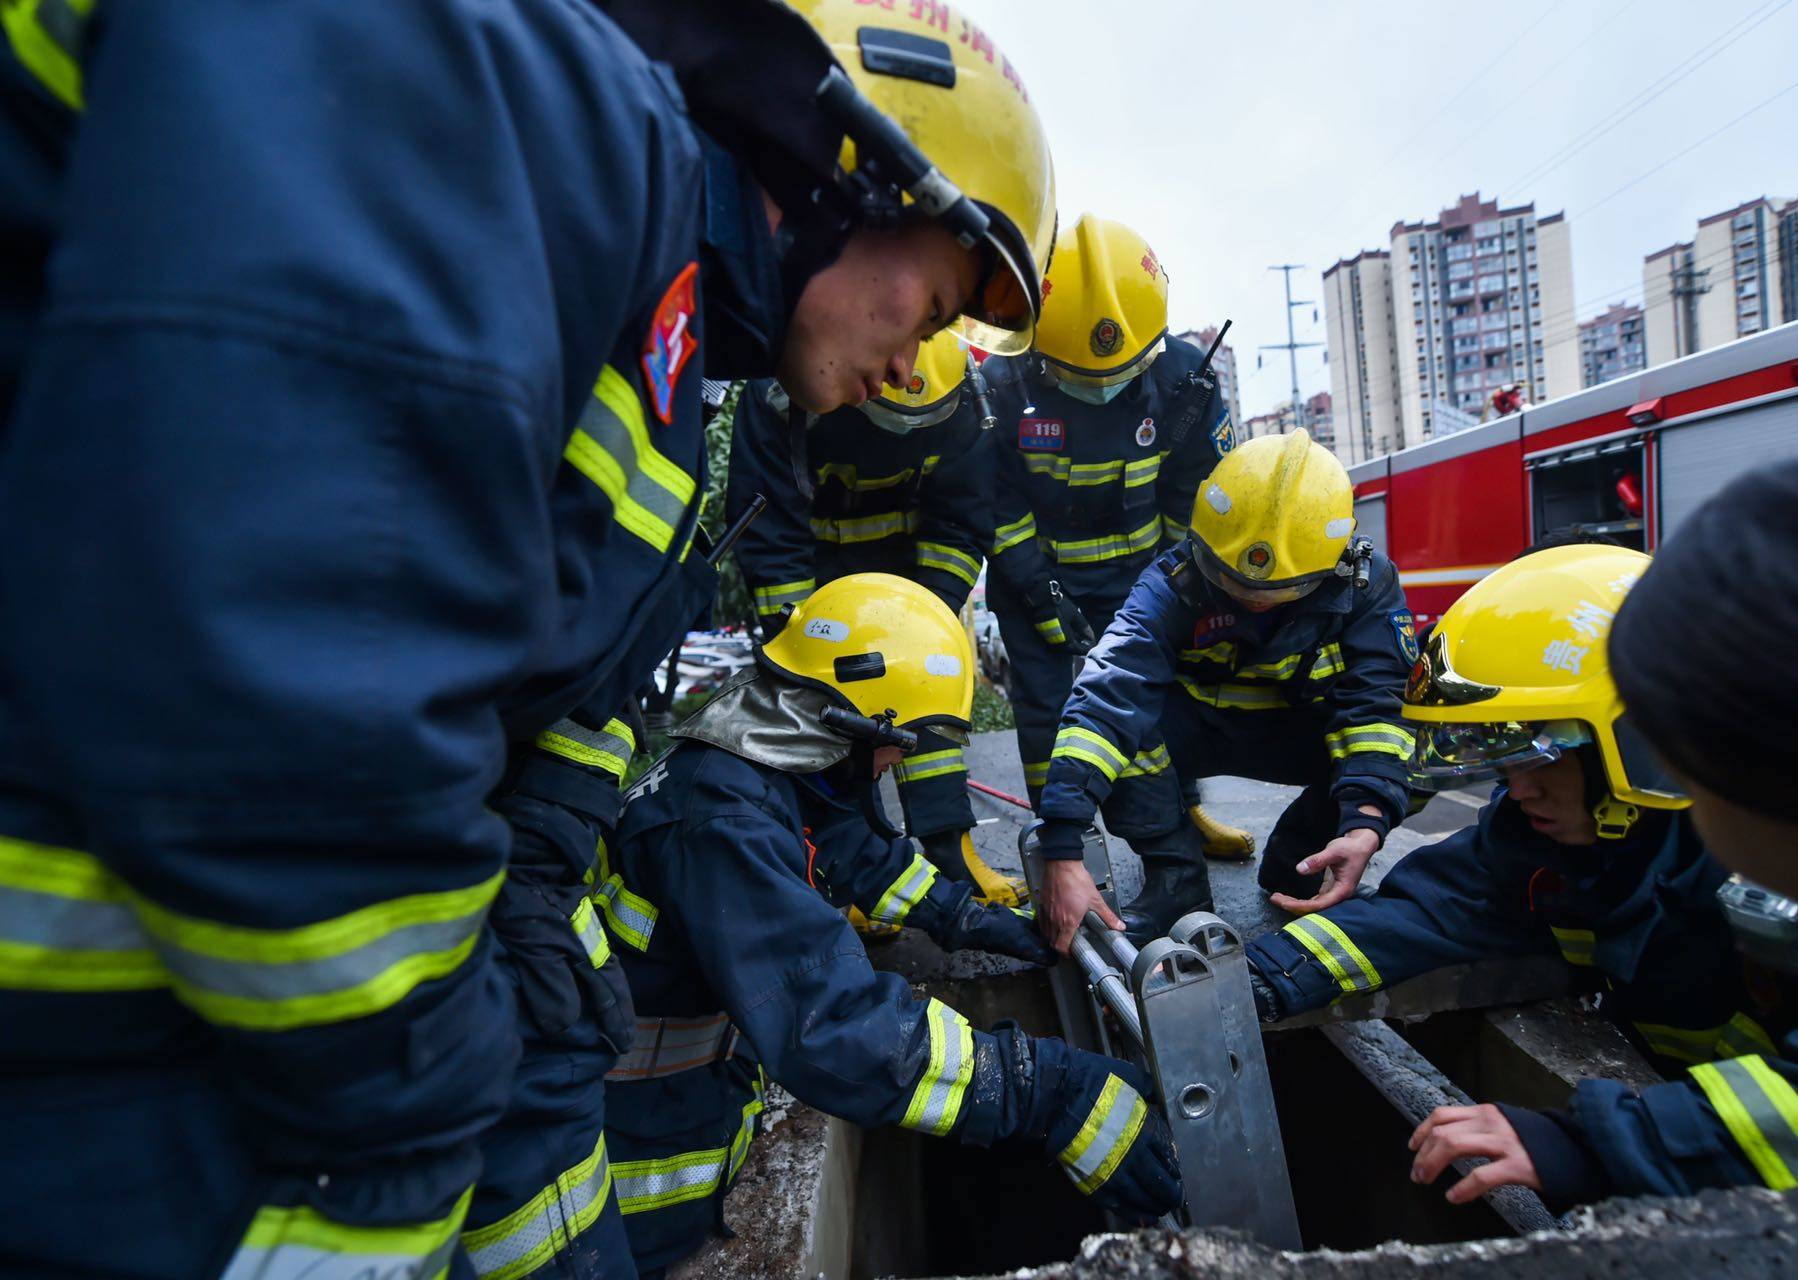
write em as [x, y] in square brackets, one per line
[1752, 1234]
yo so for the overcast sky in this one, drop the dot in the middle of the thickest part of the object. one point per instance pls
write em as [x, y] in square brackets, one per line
[1242, 134]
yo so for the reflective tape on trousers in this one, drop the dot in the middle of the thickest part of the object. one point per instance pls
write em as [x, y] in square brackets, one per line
[524, 1240]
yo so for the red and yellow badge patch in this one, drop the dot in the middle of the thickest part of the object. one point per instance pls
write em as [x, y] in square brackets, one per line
[671, 341]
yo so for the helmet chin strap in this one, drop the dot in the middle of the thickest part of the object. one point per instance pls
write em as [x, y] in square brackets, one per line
[1614, 817]
[867, 791]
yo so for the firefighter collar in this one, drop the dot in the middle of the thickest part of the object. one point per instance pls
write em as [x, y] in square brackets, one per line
[770, 722]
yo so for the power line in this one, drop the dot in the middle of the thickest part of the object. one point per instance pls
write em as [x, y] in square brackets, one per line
[1764, 103]
[1661, 85]
[1466, 86]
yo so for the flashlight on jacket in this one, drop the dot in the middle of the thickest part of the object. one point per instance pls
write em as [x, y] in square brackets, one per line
[982, 404]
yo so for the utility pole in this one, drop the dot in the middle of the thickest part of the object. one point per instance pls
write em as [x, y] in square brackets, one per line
[1688, 283]
[1291, 346]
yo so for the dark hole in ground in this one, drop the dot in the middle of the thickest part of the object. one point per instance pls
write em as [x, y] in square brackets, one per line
[1345, 1152]
[925, 1207]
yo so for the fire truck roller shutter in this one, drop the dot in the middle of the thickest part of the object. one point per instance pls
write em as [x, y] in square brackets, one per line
[1699, 459]
[1370, 521]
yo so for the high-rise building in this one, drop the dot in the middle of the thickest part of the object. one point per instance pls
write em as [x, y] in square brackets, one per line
[1738, 275]
[1364, 386]
[1225, 363]
[1320, 419]
[1275, 422]
[1482, 299]
[1611, 345]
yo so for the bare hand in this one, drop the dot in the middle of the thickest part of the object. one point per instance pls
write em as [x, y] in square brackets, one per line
[1068, 894]
[1462, 1133]
[1342, 861]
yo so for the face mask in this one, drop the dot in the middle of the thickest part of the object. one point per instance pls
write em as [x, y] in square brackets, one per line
[1094, 395]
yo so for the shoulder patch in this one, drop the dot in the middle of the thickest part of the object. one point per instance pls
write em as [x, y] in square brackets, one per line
[1042, 435]
[671, 341]
[1223, 435]
[1405, 628]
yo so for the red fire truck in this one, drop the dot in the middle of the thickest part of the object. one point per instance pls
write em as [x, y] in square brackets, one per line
[1629, 459]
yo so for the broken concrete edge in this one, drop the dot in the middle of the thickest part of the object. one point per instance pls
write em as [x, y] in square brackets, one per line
[1749, 1232]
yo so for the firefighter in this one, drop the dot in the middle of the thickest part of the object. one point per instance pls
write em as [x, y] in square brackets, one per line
[395, 466]
[913, 498]
[1107, 435]
[1676, 654]
[1584, 851]
[1271, 644]
[734, 856]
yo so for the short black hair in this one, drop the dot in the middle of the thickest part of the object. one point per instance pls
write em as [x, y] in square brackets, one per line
[1704, 645]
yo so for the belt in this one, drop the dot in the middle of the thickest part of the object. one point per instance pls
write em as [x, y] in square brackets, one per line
[669, 1046]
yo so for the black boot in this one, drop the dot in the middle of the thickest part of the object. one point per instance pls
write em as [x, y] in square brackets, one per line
[1308, 824]
[1175, 882]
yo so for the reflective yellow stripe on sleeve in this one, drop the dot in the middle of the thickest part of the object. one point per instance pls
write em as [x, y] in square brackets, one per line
[1739, 1036]
[931, 764]
[301, 1243]
[650, 494]
[1015, 534]
[904, 893]
[630, 917]
[1105, 1137]
[1371, 739]
[1051, 631]
[609, 748]
[46, 37]
[1760, 1110]
[1084, 744]
[520, 1243]
[333, 970]
[1336, 951]
[1577, 945]
[1172, 530]
[937, 1100]
[66, 924]
[950, 560]
[772, 599]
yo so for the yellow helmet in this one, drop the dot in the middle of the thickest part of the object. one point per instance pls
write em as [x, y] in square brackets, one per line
[1272, 521]
[932, 394]
[887, 647]
[1517, 672]
[961, 103]
[1104, 305]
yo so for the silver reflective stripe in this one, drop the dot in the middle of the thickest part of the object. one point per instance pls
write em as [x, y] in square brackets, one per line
[633, 919]
[865, 528]
[905, 893]
[273, 980]
[1093, 1155]
[1346, 962]
[591, 933]
[674, 1180]
[606, 429]
[609, 749]
[936, 1101]
[307, 1262]
[49, 920]
[567, 1209]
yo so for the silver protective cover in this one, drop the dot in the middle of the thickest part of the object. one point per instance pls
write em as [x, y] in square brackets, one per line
[769, 721]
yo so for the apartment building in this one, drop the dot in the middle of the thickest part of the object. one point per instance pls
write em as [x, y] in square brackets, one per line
[1610, 345]
[1737, 275]
[1364, 384]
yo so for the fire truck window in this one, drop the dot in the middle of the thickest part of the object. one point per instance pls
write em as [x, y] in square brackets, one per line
[1593, 495]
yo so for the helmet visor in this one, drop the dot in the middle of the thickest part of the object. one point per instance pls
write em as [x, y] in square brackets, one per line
[1451, 753]
[1239, 588]
[1071, 376]
[1000, 317]
[888, 417]
[1643, 766]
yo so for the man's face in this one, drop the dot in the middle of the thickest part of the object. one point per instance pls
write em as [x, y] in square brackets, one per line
[860, 320]
[1553, 798]
[885, 758]
[1761, 848]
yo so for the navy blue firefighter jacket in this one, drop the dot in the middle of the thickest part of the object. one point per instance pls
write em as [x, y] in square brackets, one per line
[356, 433]
[1342, 652]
